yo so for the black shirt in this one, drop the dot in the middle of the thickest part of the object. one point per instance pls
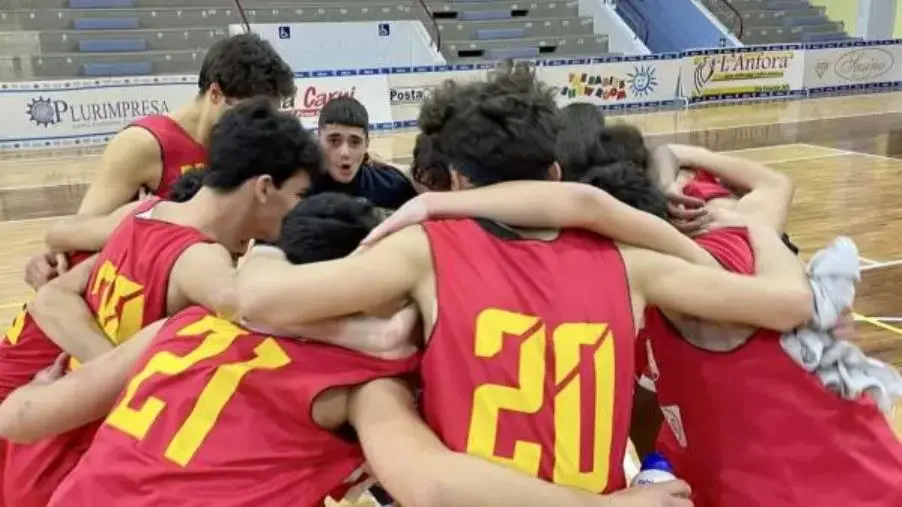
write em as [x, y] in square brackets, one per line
[383, 185]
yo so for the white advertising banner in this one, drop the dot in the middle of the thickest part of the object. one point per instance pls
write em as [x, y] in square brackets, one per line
[316, 88]
[52, 114]
[751, 71]
[408, 86]
[853, 65]
[615, 83]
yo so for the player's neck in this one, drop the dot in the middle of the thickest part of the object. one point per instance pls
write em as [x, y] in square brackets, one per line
[193, 118]
[209, 212]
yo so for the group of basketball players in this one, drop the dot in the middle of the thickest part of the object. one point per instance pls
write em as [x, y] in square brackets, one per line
[480, 363]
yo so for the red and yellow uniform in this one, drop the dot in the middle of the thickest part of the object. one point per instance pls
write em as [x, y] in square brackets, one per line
[179, 152]
[751, 428]
[219, 415]
[126, 291]
[530, 363]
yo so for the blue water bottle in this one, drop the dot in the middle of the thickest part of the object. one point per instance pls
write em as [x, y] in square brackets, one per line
[655, 469]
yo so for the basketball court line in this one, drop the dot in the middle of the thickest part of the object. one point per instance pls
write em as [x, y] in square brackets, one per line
[878, 323]
[840, 152]
[878, 265]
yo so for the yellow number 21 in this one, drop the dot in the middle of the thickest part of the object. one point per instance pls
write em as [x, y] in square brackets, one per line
[492, 325]
[220, 335]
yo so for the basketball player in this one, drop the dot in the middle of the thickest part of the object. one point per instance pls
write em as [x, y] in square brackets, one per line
[25, 350]
[499, 303]
[163, 257]
[831, 451]
[151, 153]
[344, 135]
[707, 438]
[293, 456]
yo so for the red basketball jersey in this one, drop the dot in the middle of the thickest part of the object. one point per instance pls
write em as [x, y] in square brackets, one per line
[751, 428]
[179, 151]
[219, 415]
[704, 186]
[126, 291]
[530, 363]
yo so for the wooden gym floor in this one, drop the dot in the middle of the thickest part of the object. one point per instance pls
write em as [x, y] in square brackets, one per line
[844, 153]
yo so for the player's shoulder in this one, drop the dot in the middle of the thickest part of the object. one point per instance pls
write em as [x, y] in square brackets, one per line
[208, 252]
[136, 137]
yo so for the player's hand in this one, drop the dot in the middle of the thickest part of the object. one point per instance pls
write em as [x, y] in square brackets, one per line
[664, 494]
[412, 212]
[687, 214]
[44, 267]
[53, 372]
[720, 218]
[845, 327]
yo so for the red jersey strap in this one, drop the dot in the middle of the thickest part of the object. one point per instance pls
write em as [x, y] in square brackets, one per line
[732, 247]
[159, 125]
[347, 368]
[146, 205]
[704, 186]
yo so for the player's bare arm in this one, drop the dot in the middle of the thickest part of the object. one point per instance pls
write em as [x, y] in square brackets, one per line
[716, 295]
[768, 193]
[272, 292]
[201, 272]
[60, 310]
[430, 475]
[38, 410]
[87, 233]
[550, 205]
[129, 163]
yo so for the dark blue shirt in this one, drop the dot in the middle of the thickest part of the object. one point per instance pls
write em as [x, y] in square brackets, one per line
[383, 185]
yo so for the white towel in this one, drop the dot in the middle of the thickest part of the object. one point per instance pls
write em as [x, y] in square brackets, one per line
[841, 366]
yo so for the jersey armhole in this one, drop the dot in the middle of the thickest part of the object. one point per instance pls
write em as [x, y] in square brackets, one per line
[162, 156]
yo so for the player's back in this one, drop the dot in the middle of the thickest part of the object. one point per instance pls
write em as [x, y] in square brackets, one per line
[531, 358]
[179, 152]
[219, 415]
[126, 291]
[764, 431]
[129, 283]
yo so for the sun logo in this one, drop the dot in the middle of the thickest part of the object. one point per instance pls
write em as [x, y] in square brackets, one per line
[41, 112]
[642, 80]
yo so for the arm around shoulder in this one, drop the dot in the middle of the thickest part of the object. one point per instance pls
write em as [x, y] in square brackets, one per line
[87, 233]
[199, 275]
[714, 294]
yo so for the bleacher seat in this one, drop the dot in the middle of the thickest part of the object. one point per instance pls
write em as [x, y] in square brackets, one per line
[492, 29]
[778, 21]
[66, 38]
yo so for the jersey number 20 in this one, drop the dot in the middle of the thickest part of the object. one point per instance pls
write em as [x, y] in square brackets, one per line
[529, 397]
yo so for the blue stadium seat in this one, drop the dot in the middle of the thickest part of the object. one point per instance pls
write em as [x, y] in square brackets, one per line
[117, 69]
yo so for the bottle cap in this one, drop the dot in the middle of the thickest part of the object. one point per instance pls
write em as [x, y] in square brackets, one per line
[655, 461]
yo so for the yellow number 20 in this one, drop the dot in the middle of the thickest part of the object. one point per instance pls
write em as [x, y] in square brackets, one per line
[492, 325]
[118, 323]
[220, 335]
[15, 329]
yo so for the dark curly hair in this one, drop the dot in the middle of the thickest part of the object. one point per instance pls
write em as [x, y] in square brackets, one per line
[630, 184]
[503, 128]
[187, 185]
[326, 226]
[429, 167]
[253, 139]
[582, 124]
[245, 66]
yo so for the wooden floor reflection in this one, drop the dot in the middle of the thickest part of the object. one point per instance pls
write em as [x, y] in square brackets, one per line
[840, 151]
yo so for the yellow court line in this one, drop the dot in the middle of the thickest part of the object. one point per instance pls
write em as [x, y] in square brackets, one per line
[875, 322]
[12, 305]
